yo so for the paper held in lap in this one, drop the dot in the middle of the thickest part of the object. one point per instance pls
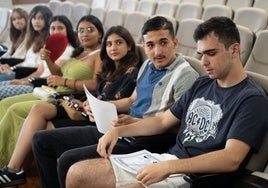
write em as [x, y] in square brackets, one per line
[103, 112]
[133, 162]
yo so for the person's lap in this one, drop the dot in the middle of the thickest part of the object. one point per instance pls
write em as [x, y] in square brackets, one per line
[124, 177]
[14, 90]
[6, 77]
[70, 157]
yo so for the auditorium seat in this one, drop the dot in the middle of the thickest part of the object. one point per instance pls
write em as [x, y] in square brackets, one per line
[196, 64]
[247, 38]
[134, 22]
[254, 18]
[216, 10]
[66, 9]
[199, 2]
[236, 4]
[213, 2]
[166, 8]
[187, 45]
[129, 6]
[257, 61]
[99, 12]
[54, 5]
[79, 10]
[99, 4]
[113, 5]
[113, 18]
[147, 6]
[4, 26]
[188, 10]
[263, 4]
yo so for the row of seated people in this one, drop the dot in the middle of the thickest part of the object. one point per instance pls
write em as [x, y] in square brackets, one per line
[161, 54]
[187, 46]
[133, 21]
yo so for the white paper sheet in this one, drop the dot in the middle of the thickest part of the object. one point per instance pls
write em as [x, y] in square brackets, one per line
[103, 112]
[133, 162]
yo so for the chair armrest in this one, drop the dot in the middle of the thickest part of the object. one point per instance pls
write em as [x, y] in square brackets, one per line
[251, 181]
[3, 49]
[11, 61]
[38, 82]
[21, 72]
[221, 180]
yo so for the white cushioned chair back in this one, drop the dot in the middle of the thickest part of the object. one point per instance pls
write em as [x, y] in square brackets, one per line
[168, 8]
[254, 18]
[261, 4]
[129, 6]
[113, 18]
[217, 10]
[258, 59]
[259, 161]
[236, 4]
[187, 44]
[79, 10]
[188, 10]
[147, 6]
[134, 22]
[247, 38]
[213, 2]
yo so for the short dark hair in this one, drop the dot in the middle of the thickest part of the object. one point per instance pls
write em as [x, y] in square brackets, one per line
[224, 28]
[158, 23]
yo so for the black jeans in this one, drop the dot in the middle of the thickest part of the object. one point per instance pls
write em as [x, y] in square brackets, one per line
[56, 150]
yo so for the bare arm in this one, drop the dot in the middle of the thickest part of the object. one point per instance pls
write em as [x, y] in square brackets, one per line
[53, 67]
[225, 160]
[37, 73]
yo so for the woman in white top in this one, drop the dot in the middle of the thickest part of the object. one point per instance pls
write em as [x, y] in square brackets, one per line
[17, 35]
[37, 32]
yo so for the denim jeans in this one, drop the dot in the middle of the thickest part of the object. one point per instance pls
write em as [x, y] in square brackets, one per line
[5, 77]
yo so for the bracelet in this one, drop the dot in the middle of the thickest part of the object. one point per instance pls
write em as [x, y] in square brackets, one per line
[65, 82]
[75, 85]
